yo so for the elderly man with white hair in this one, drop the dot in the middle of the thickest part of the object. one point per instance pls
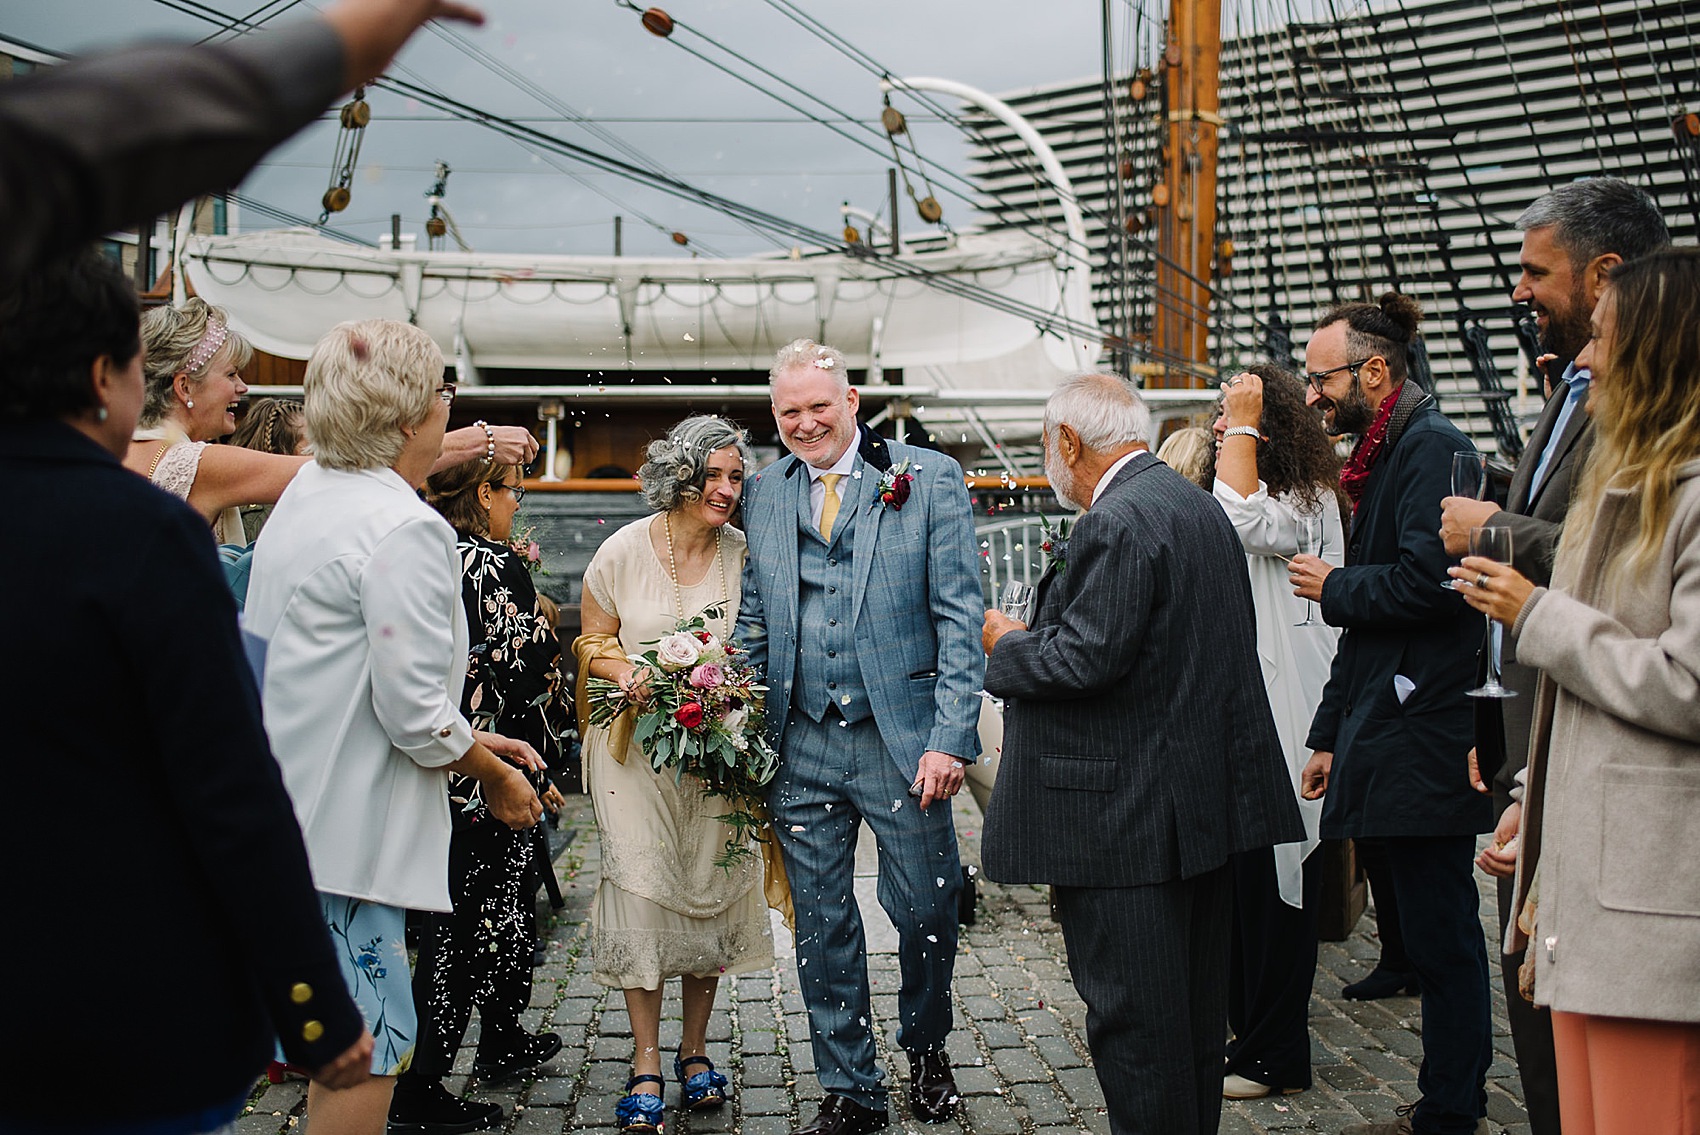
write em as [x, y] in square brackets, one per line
[1139, 754]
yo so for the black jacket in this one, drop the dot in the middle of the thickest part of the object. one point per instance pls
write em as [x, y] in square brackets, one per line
[1138, 743]
[1399, 768]
[148, 834]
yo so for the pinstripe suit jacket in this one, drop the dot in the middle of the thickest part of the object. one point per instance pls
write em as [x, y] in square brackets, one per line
[916, 598]
[1139, 746]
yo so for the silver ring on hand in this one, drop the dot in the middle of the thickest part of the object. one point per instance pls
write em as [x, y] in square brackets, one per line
[1482, 582]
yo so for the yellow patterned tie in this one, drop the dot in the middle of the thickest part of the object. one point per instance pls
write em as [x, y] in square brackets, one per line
[829, 506]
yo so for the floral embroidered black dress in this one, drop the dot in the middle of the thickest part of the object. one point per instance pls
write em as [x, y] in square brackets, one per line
[480, 954]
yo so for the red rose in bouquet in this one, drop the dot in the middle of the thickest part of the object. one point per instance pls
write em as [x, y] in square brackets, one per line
[689, 715]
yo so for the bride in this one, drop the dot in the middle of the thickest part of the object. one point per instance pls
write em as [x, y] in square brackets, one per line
[663, 908]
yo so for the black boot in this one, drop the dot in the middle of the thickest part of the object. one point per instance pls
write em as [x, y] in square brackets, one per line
[424, 1107]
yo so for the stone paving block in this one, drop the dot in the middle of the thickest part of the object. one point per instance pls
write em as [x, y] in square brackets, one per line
[1039, 1022]
[760, 1042]
[991, 1115]
[1000, 1034]
[282, 1097]
[960, 1047]
[1081, 1086]
[762, 1072]
[551, 1091]
[976, 1081]
[1019, 1066]
[768, 1124]
[1385, 1066]
[1502, 1108]
[1043, 1104]
[1401, 1042]
[537, 1121]
[267, 1124]
[1057, 1052]
[607, 1078]
[765, 1101]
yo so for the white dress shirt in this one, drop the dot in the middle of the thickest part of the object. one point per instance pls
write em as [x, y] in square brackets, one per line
[356, 590]
[1110, 473]
[844, 467]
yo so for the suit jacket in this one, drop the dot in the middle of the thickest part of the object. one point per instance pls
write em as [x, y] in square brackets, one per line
[125, 674]
[95, 144]
[1536, 521]
[1399, 763]
[916, 597]
[1138, 743]
[1614, 771]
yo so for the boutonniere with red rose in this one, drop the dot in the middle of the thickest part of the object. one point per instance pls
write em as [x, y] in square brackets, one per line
[1055, 543]
[895, 486]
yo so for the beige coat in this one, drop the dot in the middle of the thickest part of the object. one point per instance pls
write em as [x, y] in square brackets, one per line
[1612, 812]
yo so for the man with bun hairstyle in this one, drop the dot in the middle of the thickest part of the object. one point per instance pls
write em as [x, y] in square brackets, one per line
[1394, 723]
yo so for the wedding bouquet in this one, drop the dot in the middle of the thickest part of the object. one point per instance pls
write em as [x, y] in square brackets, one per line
[702, 718]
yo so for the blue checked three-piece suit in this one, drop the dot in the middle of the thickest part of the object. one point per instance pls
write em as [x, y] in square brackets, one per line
[870, 644]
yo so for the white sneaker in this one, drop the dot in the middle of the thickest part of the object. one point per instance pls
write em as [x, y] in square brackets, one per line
[1235, 1087]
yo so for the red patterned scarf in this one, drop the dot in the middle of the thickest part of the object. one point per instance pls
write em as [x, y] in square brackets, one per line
[1355, 475]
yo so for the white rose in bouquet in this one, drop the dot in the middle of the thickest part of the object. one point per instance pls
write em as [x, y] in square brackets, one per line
[677, 652]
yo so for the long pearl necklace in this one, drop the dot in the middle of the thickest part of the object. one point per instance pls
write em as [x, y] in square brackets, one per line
[673, 571]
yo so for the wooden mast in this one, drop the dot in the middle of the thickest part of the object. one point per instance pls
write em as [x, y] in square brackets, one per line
[1185, 199]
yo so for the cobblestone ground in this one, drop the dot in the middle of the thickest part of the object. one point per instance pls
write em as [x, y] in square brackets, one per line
[1019, 1044]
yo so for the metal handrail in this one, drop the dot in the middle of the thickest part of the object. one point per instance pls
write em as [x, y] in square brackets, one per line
[1011, 551]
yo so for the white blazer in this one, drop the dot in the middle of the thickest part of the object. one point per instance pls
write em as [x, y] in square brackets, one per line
[1296, 660]
[356, 592]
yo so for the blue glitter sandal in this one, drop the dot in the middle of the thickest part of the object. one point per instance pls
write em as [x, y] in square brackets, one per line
[640, 1113]
[704, 1091]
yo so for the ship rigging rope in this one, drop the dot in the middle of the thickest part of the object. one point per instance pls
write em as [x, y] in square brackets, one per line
[967, 195]
[254, 19]
[548, 99]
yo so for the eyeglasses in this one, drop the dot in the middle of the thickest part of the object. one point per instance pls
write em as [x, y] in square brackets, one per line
[517, 490]
[447, 393]
[1317, 377]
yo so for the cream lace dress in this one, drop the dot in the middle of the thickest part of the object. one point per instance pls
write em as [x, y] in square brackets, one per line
[174, 471]
[663, 908]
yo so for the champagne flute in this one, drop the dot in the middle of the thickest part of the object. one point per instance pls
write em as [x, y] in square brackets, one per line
[1469, 479]
[1310, 544]
[1491, 543]
[1469, 475]
[1016, 601]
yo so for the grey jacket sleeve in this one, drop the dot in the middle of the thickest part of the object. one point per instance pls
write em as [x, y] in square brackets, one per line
[113, 140]
[1534, 544]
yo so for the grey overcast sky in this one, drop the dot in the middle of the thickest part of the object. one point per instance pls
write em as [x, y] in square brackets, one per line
[595, 57]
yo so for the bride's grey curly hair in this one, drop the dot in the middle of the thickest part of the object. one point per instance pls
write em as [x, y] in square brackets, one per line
[675, 468]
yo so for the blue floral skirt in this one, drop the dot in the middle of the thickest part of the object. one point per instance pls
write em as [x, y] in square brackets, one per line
[370, 942]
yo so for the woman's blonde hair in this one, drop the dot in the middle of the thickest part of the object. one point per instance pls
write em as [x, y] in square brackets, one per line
[170, 336]
[366, 382]
[1188, 452]
[1645, 401]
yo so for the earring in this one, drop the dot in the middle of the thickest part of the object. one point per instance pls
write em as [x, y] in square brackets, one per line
[189, 403]
[100, 414]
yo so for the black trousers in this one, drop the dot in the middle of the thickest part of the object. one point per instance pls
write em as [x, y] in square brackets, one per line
[1273, 960]
[1374, 859]
[1531, 1028]
[1439, 912]
[1151, 963]
[479, 954]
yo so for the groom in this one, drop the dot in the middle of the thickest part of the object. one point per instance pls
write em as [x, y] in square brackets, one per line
[861, 601]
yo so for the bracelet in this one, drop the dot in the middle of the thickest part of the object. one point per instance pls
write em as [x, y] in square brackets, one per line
[490, 439]
[1242, 431]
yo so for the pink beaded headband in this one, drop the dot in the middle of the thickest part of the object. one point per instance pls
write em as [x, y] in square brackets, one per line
[216, 334]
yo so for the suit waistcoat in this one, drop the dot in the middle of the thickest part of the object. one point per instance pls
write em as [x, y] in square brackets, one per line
[827, 673]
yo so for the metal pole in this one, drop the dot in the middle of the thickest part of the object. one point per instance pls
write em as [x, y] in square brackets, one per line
[395, 232]
[144, 253]
[891, 190]
[618, 220]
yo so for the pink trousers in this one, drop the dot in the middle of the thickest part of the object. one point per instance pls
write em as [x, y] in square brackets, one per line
[1618, 1076]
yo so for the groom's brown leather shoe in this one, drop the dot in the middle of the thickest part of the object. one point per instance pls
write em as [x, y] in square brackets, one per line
[932, 1087]
[839, 1116]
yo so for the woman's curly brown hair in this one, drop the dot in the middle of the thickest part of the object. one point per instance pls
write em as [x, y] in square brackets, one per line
[1297, 457]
